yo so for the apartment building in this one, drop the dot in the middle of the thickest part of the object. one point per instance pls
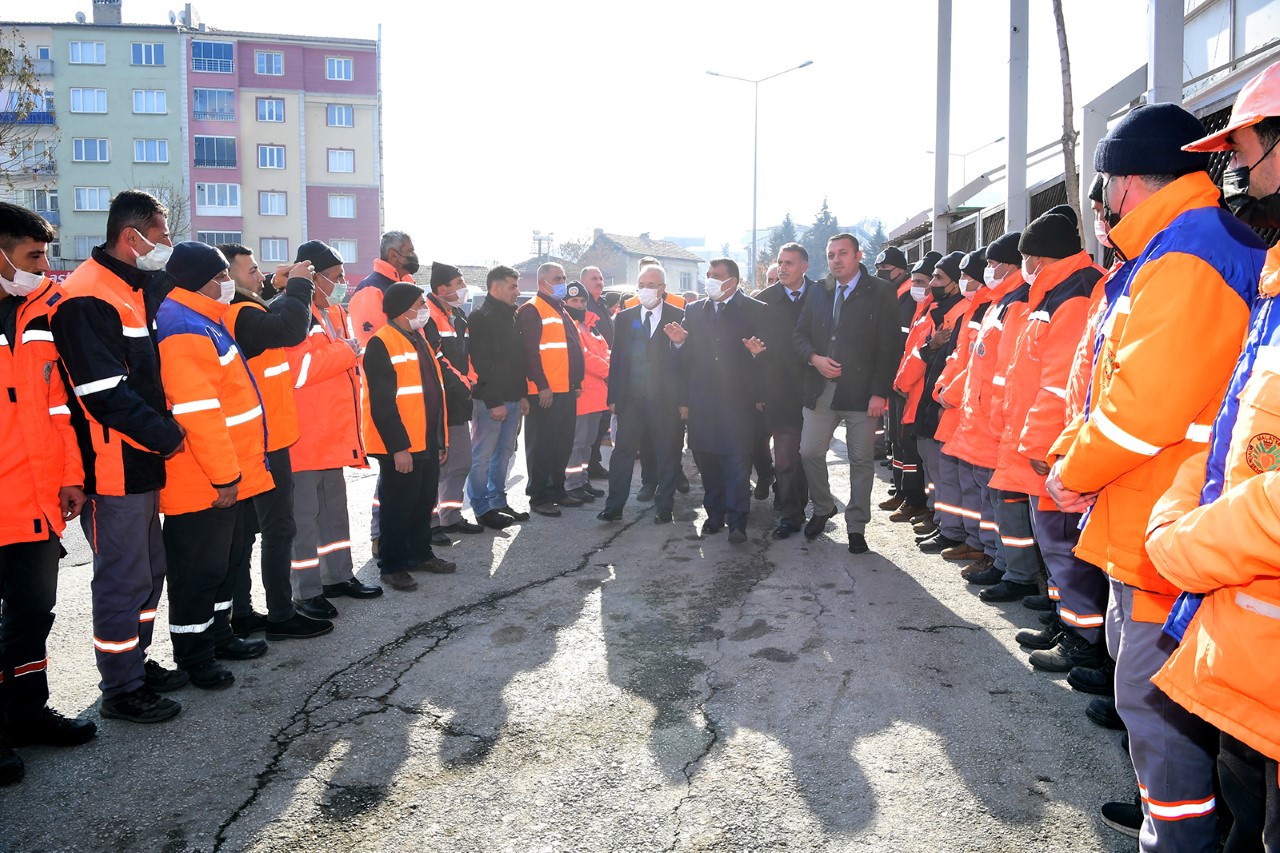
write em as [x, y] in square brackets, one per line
[265, 139]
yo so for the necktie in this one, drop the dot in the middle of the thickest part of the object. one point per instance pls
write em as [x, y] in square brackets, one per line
[839, 304]
[718, 306]
[795, 296]
[648, 324]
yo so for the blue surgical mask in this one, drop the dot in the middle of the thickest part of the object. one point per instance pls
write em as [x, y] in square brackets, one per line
[559, 291]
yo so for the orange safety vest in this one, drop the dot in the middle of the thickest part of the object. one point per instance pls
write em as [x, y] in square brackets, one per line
[411, 400]
[212, 395]
[445, 328]
[673, 299]
[327, 388]
[35, 426]
[553, 348]
[270, 370]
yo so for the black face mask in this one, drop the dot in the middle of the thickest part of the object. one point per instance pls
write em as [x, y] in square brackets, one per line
[1255, 212]
[578, 314]
[410, 263]
[1112, 217]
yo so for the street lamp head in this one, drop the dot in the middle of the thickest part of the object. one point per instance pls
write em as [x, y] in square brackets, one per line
[805, 64]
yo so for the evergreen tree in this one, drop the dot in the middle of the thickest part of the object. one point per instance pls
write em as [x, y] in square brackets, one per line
[825, 226]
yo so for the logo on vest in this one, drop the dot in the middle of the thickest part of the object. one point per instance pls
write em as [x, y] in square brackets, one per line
[1263, 453]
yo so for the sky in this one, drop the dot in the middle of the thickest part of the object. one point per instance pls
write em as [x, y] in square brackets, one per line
[563, 116]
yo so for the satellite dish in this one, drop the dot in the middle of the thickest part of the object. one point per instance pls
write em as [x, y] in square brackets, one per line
[79, 17]
[173, 19]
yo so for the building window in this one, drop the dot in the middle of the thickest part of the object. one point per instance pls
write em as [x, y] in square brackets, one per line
[217, 199]
[214, 104]
[85, 245]
[151, 151]
[88, 53]
[218, 57]
[345, 248]
[342, 207]
[686, 281]
[216, 152]
[153, 101]
[337, 68]
[341, 115]
[274, 250]
[88, 100]
[41, 201]
[342, 160]
[270, 109]
[147, 53]
[93, 198]
[273, 203]
[44, 52]
[218, 238]
[270, 156]
[90, 151]
[270, 63]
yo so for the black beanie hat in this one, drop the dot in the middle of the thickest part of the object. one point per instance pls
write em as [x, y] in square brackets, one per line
[950, 265]
[1067, 211]
[575, 288]
[893, 257]
[974, 264]
[1149, 140]
[442, 274]
[1051, 236]
[399, 297]
[1004, 249]
[925, 265]
[321, 255]
[1095, 189]
[193, 265]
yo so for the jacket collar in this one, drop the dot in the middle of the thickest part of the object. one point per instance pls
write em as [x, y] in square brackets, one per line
[129, 274]
[1269, 283]
[385, 269]
[1054, 273]
[202, 305]
[1132, 234]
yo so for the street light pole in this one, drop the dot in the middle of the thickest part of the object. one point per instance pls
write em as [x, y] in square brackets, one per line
[755, 154]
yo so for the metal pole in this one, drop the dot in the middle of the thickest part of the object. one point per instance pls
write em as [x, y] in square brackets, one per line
[755, 183]
[1164, 47]
[941, 147]
[1016, 204]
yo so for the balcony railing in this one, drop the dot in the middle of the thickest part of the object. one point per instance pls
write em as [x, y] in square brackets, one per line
[12, 117]
[53, 217]
[216, 162]
[44, 67]
[215, 115]
[217, 66]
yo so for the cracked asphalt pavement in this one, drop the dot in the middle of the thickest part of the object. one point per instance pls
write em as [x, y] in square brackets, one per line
[601, 687]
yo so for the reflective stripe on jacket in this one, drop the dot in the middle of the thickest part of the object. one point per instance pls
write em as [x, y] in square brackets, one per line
[595, 382]
[212, 394]
[327, 389]
[274, 379]
[552, 349]
[411, 401]
[949, 389]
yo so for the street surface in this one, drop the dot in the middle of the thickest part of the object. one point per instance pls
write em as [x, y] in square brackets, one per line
[580, 686]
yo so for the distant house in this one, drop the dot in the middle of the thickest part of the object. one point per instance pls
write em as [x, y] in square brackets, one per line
[618, 258]
[529, 271]
[474, 276]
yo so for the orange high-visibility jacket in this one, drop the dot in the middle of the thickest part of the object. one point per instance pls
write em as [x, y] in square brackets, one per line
[1229, 549]
[595, 382]
[212, 395]
[39, 443]
[411, 401]
[1173, 337]
[949, 389]
[973, 440]
[673, 299]
[270, 369]
[553, 349]
[365, 305]
[327, 390]
[1035, 387]
[909, 381]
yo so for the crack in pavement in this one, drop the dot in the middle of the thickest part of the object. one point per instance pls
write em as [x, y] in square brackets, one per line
[442, 625]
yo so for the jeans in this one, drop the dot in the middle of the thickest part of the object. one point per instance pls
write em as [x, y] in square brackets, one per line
[492, 445]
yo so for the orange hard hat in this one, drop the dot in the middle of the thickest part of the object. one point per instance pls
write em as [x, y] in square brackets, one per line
[1259, 99]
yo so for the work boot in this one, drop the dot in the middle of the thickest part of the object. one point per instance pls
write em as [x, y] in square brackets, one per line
[1124, 818]
[924, 530]
[987, 577]
[1038, 602]
[1046, 638]
[1103, 712]
[925, 516]
[143, 705]
[907, 512]
[163, 680]
[937, 544]
[1098, 681]
[892, 503]
[978, 566]
[242, 625]
[963, 551]
[1071, 651]
[49, 728]
[401, 581]
[1005, 591]
[210, 675]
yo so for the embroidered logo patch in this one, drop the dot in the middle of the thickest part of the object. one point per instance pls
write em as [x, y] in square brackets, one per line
[1263, 453]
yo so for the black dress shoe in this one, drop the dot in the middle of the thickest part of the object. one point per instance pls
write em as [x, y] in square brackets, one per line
[49, 728]
[162, 680]
[298, 627]
[682, 484]
[814, 527]
[857, 544]
[709, 527]
[937, 544]
[583, 495]
[495, 520]
[785, 528]
[569, 499]
[550, 510]
[315, 608]
[986, 577]
[761, 490]
[596, 471]
[439, 537]
[609, 515]
[210, 675]
[646, 494]
[464, 526]
[351, 589]
[663, 518]
[1006, 591]
[599, 493]
[513, 514]
[249, 623]
[238, 649]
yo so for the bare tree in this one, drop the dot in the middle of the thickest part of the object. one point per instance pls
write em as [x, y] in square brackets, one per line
[1069, 135]
[28, 135]
[573, 250]
[179, 204]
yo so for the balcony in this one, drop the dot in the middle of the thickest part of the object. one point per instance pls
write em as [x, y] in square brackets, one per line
[53, 217]
[43, 67]
[215, 162]
[34, 117]
[216, 66]
[215, 115]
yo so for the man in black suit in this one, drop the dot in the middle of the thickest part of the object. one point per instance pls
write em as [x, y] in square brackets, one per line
[784, 388]
[719, 344]
[848, 335]
[647, 393]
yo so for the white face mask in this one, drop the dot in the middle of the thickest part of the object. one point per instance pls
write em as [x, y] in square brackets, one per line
[990, 279]
[23, 283]
[228, 291]
[918, 292]
[1027, 275]
[649, 297]
[458, 299]
[420, 319]
[156, 258]
[716, 288]
[1101, 231]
